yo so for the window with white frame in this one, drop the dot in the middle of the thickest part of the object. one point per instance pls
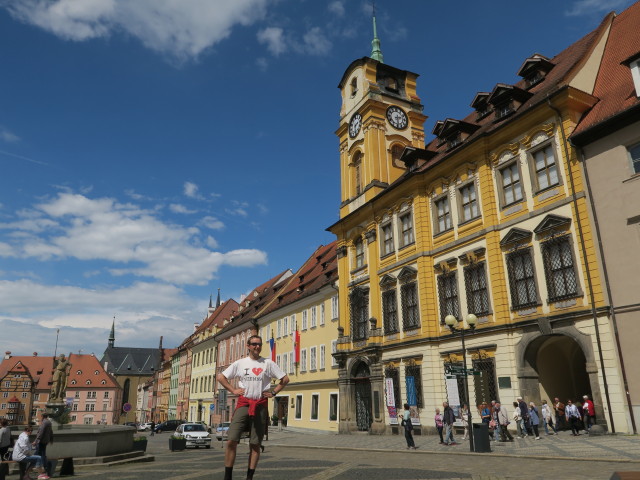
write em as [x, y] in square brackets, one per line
[559, 268]
[7, 383]
[406, 225]
[315, 399]
[410, 310]
[522, 278]
[305, 319]
[468, 202]
[24, 394]
[634, 155]
[334, 349]
[285, 359]
[333, 407]
[448, 295]
[511, 186]
[292, 324]
[313, 358]
[475, 282]
[443, 214]
[334, 307]
[285, 326]
[279, 328]
[322, 314]
[359, 253]
[314, 316]
[291, 363]
[303, 360]
[323, 354]
[546, 168]
[388, 246]
[279, 360]
[298, 407]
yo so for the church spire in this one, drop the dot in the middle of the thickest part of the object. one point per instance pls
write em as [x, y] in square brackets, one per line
[112, 335]
[211, 301]
[218, 300]
[376, 53]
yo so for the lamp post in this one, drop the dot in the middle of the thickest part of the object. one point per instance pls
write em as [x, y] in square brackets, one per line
[455, 326]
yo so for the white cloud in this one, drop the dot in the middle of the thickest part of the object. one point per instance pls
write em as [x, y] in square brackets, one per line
[590, 7]
[262, 64]
[74, 226]
[180, 28]
[7, 136]
[191, 190]
[212, 242]
[211, 223]
[273, 38]
[316, 42]
[337, 8]
[178, 208]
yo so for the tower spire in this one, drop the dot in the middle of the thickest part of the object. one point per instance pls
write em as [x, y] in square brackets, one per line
[210, 301]
[112, 335]
[376, 53]
[218, 300]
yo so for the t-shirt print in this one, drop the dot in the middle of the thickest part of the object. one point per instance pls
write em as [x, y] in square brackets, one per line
[255, 375]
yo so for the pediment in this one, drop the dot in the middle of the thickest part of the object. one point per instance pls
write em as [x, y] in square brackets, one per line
[516, 235]
[387, 281]
[551, 222]
[407, 273]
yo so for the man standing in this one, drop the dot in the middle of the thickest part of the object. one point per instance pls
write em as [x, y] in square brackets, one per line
[558, 406]
[254, 373]
[573, 415]
[589, 413]
[503, 421]
[43, 438]
[524, 417]
[448, 417]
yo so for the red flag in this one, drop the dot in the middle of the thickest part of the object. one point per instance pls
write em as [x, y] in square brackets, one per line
[297, 345]
[272, 345]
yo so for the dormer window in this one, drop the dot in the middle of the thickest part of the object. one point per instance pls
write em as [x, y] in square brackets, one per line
[634, 65]
[453, 132]
[454, 141]
[535, 77]
[481, 105]
[534, 69]
[504, 110]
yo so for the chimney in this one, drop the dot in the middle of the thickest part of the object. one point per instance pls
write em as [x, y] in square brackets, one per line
[195, 326]
[7, 355]
[35, 354]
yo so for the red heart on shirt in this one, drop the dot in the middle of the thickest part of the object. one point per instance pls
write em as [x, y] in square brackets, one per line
[256, 371]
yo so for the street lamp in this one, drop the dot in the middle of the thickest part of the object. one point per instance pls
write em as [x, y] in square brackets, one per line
[454, 326]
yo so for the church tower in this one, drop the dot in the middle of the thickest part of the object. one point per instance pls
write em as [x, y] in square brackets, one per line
[381, 114]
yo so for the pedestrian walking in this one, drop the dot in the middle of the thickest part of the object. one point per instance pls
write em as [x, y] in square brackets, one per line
[439, 424]
[502, 417]
[254, 391]
[559, 408]
[449, 418]
[408, 427]
[153, 428]
[464, 417]
[534, 419]
[546, 419]
[589, 413]
[573, 417]
[493, 423]
[524, 411]
[517, 417]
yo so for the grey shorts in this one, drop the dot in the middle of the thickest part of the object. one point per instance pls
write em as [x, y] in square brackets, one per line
[242, 422]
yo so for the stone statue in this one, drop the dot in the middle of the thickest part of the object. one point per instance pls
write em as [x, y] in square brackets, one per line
[61, 370]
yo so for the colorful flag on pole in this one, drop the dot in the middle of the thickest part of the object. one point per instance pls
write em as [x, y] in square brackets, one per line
[297, 345]
[272, 345]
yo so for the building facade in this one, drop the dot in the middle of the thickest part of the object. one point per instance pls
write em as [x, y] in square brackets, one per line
[490, 219]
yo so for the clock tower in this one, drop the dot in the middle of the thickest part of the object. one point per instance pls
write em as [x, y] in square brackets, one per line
[381, 114]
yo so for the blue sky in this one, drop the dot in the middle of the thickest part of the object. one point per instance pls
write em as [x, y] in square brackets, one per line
[152, 151]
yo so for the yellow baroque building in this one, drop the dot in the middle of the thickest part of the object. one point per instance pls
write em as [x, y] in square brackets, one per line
[308, 305]
[489, 219]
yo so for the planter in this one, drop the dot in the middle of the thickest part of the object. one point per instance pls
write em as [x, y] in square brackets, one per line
[177, 444]
[140, 445]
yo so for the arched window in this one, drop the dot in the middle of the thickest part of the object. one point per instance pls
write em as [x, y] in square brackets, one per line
[357, 172]
[125, 391]
[396, 153]
[354, 86]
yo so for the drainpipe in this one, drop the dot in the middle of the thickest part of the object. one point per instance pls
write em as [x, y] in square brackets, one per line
[605, 273]
[588, 273]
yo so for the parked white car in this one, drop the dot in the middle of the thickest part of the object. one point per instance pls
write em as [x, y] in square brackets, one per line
[144, 427]
[195, 433]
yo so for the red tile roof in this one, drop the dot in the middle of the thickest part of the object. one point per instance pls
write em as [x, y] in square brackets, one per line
[38, 368]
[614, 85]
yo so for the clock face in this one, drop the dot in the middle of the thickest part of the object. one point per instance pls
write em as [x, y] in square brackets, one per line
[355, 124]
[397, 118]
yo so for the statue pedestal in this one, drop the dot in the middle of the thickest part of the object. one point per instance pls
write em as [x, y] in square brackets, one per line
[55, 411]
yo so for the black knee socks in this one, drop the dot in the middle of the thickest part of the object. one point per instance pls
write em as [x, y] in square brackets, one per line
[228, 472]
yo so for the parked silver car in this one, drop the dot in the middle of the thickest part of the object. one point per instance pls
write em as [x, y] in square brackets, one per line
[195, 433]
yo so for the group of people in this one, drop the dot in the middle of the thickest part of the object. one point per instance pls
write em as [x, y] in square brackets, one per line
[527, 418]
[31, 454]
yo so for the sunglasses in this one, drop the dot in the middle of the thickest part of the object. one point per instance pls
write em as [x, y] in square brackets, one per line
[255, 344]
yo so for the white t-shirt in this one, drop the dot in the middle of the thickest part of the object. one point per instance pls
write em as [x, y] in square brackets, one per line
[255, 375]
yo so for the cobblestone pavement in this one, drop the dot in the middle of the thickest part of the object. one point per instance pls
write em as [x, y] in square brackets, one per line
[293, 455]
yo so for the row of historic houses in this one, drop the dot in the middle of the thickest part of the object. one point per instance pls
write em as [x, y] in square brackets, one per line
[516, 225]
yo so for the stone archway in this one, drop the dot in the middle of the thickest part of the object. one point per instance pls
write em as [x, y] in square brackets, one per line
[559, 364]
[362, 392]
